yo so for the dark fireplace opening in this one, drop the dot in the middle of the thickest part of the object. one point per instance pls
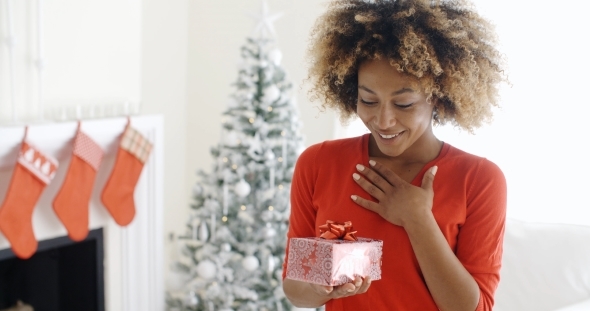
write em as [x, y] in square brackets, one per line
[62, 275]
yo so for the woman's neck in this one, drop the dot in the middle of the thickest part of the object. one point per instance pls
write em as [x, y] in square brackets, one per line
[422, 151]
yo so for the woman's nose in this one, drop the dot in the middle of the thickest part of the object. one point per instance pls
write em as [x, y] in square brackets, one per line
[386, 117]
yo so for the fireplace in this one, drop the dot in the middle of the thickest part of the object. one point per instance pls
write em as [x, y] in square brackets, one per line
[61, 276]
[133, 277]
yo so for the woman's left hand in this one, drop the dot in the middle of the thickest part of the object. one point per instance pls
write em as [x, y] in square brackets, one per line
[399, 202]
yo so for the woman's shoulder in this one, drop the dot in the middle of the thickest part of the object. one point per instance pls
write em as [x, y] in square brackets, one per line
[340, 147]
[469, 163]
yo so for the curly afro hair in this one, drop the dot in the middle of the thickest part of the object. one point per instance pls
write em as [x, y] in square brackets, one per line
[445, 44]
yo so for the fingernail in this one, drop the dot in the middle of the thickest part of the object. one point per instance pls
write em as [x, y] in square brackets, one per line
[350, 290]
[372, 162]
[433, 170]
[360, 167]
[356, 176]
[353, 197]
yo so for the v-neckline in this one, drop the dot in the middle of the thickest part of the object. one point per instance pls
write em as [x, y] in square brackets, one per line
[417, 180]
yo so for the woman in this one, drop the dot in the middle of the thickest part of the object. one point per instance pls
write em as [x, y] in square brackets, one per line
[402, 66]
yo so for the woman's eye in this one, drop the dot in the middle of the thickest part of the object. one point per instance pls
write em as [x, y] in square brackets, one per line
[366, 102]
[404, 106]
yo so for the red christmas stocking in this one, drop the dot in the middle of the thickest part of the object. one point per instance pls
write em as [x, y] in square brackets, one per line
[117, 196]
[33, 171]
[71, 203]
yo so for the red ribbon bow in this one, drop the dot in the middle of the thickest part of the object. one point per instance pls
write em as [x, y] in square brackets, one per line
[337, 231]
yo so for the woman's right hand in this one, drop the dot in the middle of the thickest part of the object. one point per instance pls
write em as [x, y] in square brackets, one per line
[359, 286]
[308, 295]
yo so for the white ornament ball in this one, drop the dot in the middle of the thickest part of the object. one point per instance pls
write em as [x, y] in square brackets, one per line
[206, 269]
[250, 263]
[275, 56]
[270, 232]
[269, 155]
[271, 263]
[226, 247]
[242, 188]
[191, 299]
[271, 94]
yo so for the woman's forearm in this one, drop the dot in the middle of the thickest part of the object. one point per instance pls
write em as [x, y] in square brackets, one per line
[450, 284]
[302, 295]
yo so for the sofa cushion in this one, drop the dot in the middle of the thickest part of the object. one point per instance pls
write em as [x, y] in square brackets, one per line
[580, 306]
[544, 266]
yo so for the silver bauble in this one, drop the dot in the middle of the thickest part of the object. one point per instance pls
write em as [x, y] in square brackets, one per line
[242, 188]
[271, 94]
[192, 300]
[206, 269]
[203, 232]
[269, 155]
[226, 247]
[250, 263]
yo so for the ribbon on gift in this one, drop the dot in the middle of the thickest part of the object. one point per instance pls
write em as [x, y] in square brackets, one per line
[333, 230]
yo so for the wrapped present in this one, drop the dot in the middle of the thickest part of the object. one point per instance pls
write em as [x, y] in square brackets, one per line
[334, 258]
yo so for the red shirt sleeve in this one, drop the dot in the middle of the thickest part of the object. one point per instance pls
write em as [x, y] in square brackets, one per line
[480, 239]
[303, 211]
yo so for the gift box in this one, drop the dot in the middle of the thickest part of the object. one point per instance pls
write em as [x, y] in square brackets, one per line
[334, 258]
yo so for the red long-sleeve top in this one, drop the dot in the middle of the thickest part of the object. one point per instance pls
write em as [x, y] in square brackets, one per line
[469, 207]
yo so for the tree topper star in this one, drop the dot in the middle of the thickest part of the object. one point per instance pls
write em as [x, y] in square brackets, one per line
[264, 21]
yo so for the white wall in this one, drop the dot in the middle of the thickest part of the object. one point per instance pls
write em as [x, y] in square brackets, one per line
[90, 54]
[164, 68]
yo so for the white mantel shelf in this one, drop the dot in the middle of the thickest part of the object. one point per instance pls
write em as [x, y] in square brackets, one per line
[134, 254]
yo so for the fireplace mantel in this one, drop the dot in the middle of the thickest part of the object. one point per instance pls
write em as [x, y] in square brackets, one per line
[133, 255]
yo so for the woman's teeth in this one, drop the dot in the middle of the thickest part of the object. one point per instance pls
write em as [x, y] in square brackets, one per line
[389, 136]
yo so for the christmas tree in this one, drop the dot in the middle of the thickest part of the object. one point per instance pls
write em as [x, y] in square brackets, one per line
[236, 236]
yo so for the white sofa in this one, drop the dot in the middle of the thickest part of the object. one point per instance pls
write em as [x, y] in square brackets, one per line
[545, 267]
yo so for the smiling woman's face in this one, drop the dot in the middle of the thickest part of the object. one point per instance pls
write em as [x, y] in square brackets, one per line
[396, 111]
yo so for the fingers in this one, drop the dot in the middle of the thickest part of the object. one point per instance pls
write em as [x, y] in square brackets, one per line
[321, 289]
[364, 285]
[370, 205]
[358, 286]
[428, 179]
[388, 174]
[372, 182]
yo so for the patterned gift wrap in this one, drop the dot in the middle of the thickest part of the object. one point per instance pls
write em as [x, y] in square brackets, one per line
[333, 262]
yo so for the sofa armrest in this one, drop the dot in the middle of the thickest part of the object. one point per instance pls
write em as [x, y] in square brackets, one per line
[580, 306]
[544, 266]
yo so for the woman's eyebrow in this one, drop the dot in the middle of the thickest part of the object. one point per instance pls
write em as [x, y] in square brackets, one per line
[403, 90]
[400, 91]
